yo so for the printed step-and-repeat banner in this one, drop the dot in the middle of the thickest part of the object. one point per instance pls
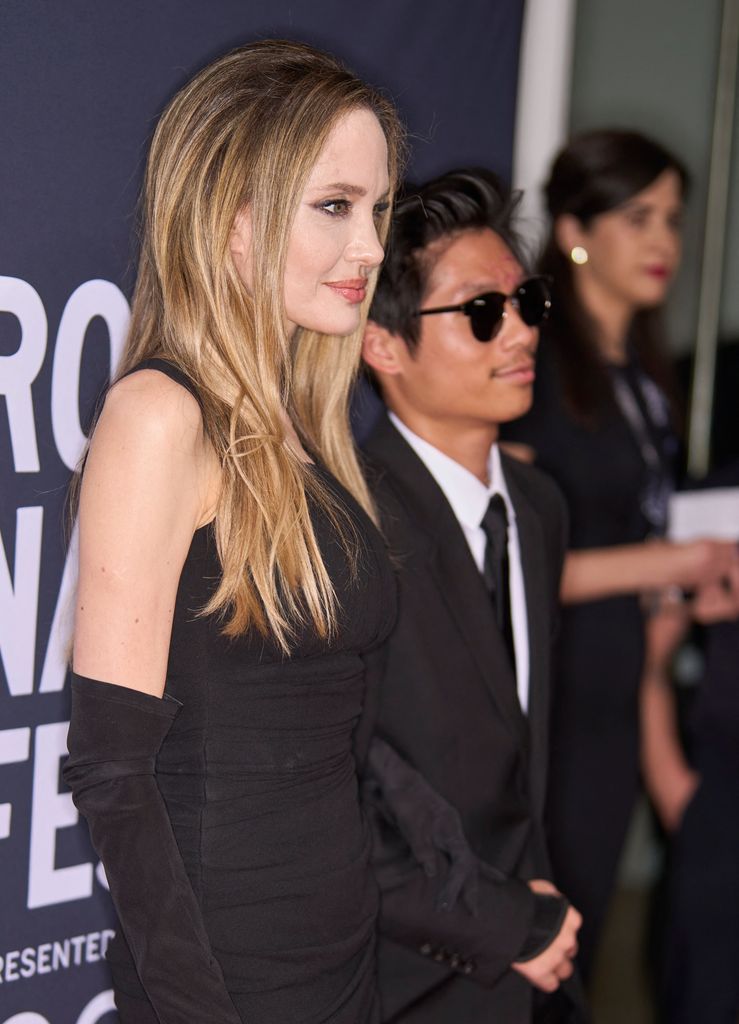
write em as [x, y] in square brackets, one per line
[81, 84]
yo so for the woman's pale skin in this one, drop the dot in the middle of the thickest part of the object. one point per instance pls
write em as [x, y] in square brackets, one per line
[151, 477]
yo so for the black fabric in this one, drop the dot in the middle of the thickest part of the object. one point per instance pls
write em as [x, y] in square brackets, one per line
[248, 814]
[431, 827]
[647, 414]
[169, 370]
[443, 697]
[714, 717]
[497, 570]
[114, 739]
[701, 969]
[701, 980]
[549, 915]
[594, 777]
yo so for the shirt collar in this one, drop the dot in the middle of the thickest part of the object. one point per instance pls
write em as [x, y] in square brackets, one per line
[467, 495]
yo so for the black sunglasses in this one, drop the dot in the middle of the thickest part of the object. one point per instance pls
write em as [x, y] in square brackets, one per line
[532, 299]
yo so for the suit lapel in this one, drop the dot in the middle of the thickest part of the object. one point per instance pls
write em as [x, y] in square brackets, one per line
[442, 544]
[536, 585]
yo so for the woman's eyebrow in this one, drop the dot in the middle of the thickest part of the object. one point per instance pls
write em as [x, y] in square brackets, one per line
[350, 190]
[342, 186]
[636, 204]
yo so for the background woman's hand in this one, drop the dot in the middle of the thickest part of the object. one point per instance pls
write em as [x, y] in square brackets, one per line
[704, 562]
[671, 790]
[718, 600]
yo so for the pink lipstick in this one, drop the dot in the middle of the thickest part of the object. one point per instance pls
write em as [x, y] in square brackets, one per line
[353, 290]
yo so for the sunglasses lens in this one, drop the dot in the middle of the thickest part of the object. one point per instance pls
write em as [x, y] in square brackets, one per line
[486, 312]
[486, 315]
[533, 301]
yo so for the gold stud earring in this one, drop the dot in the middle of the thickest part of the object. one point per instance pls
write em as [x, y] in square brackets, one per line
[578, 255]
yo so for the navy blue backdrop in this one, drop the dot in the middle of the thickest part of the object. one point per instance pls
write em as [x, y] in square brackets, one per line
[81, 84]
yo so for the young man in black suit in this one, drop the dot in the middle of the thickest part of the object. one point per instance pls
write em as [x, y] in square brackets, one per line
[461, 705]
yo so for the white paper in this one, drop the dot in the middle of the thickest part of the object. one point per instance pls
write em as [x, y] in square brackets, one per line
[710, 513]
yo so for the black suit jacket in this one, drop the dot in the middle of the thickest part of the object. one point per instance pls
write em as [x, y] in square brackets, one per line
[445, 699]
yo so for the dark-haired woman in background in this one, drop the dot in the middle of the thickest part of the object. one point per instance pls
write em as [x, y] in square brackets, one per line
[603, 427]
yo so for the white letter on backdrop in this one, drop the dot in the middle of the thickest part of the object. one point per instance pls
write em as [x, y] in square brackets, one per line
[19, 371]
[19, 601]
[14, 747]
[50, 811]
[91, 299]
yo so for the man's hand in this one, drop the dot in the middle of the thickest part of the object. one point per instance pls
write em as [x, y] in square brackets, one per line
[554, 964]
[543, 886]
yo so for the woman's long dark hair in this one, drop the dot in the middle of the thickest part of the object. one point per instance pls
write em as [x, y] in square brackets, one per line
[596, 172]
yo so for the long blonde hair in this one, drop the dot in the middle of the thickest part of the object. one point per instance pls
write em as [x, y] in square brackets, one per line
[248, 129]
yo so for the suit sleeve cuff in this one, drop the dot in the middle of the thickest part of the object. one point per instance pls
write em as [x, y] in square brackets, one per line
[549, 914]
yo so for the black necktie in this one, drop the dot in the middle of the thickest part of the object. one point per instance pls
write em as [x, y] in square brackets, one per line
[495, 570]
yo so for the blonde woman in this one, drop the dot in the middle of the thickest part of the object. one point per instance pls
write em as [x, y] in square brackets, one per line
[230, 574]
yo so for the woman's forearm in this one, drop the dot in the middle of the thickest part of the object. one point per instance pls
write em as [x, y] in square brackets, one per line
[595, 573]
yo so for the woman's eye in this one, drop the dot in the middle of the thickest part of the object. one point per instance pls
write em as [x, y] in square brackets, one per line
[379, 210]
[335, 207]
[675, 222]
[637, 218]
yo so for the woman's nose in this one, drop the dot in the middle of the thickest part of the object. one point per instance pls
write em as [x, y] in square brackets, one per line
[366, 247]
[666, 238]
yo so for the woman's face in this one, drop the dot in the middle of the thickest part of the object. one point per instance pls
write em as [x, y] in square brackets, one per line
[634, 250]
[333, 246]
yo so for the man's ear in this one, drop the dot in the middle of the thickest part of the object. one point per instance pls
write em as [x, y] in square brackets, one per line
[382, 350]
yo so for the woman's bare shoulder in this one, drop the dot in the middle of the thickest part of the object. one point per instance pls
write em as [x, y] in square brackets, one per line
[152, 405]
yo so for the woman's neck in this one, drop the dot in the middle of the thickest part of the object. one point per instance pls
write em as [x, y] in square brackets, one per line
[611, 339]
[611, 316]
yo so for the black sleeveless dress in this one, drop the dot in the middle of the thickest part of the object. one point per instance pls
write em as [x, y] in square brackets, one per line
[258, 777]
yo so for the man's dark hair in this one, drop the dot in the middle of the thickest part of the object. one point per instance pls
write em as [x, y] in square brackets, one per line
[464, 200]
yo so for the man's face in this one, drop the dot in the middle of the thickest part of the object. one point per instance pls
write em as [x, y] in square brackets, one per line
[451, 379]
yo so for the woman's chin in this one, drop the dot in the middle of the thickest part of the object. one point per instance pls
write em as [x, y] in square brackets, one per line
[651, 294]
[339, 326]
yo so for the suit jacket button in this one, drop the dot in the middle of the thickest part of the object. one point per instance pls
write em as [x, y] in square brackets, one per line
[440, 956]
[468, 967]
[426, 949]
[455, 960]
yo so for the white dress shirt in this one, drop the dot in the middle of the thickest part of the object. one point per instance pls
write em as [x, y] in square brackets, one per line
[469, 500]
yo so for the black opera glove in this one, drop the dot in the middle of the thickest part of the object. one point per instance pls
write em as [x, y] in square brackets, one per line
[428, 823]
[114, 738]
